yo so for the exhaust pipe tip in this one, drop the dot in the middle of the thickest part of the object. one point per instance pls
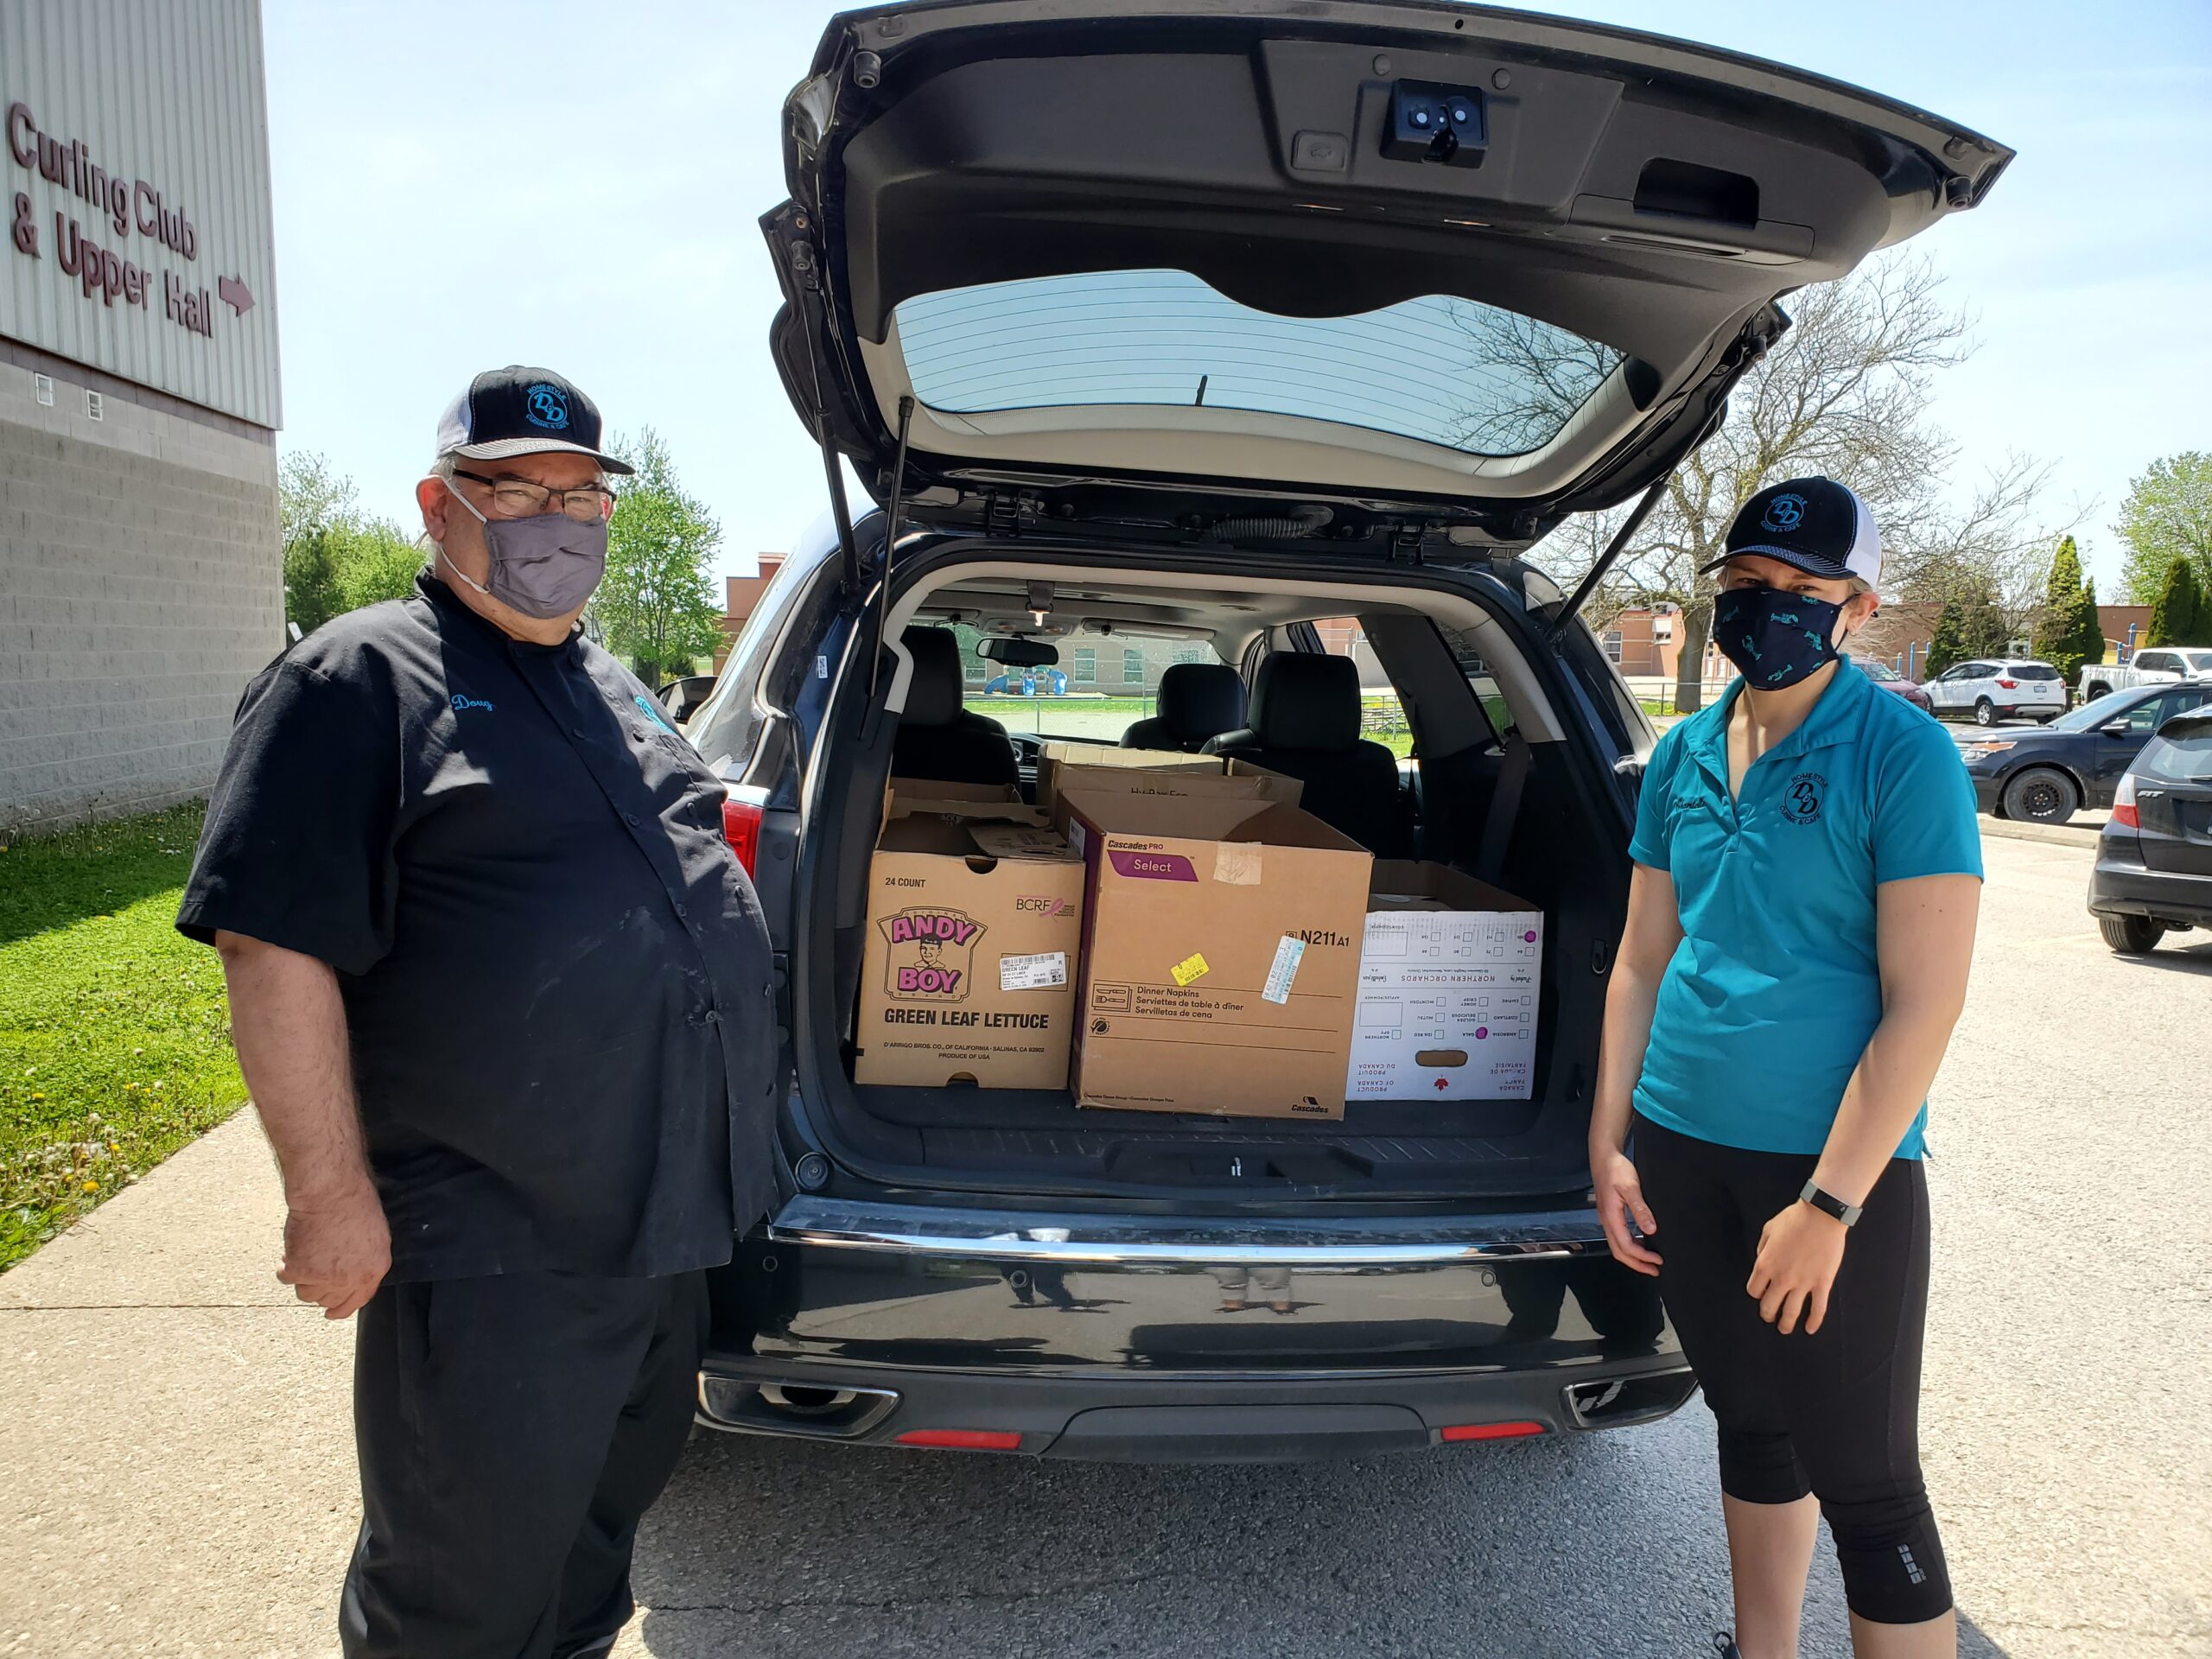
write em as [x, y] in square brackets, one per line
[787, 1406]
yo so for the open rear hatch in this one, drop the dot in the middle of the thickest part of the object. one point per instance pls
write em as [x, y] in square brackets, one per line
[1275, 288]
[1135, 262]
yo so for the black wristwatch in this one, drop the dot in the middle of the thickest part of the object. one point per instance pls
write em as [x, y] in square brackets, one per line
[1828, 1205]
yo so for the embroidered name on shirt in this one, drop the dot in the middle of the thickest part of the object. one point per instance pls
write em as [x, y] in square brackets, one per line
[460, 703]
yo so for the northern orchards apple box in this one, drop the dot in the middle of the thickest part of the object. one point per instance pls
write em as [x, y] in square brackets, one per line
[1450, 970]
[975, 924]
[1221, 958]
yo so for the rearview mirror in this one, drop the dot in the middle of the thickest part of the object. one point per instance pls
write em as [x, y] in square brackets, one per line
[1018, 653]
[2115, 728]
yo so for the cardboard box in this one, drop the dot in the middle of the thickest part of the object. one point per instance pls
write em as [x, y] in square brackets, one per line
[938, 789]
[975, 929]
[1237, 781]
[1221, 955]
[1056, 758]
[1449, 979]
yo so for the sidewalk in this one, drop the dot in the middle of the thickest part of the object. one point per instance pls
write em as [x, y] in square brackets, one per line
[149, 1351]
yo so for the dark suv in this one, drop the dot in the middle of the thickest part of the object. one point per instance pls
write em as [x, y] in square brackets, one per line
[1221, 327]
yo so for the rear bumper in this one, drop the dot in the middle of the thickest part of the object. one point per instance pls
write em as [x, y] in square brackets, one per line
[1166, 1341]
[2121, 887]
[1184, 1419]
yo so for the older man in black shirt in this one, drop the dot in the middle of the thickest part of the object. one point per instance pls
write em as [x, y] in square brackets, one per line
[501, 991]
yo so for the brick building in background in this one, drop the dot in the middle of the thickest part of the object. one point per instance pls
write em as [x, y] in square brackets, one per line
[740, 595]
[141, 569]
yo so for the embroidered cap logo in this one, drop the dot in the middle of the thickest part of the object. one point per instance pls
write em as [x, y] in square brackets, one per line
[546, 406]
[1784, 513]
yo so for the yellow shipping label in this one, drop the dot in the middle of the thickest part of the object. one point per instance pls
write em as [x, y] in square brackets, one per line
[1192, 967]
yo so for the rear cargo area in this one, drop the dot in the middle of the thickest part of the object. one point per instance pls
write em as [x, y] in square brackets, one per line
[1562, 854]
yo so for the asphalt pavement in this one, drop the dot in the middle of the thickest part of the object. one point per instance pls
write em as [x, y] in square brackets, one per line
[175, 1474]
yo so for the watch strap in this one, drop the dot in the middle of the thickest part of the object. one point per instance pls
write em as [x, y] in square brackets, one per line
[1828, 1205]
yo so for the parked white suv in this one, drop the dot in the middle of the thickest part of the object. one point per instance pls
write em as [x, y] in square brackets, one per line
[1994, 688]
[2157, 667]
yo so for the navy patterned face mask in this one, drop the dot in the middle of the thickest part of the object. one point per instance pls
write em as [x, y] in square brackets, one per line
[1775, 639]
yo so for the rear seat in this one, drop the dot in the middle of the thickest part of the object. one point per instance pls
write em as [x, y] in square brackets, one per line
[1306, 725]
[1196, 701]
[939, 739]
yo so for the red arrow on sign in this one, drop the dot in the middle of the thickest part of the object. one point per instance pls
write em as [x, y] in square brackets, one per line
[235, 294]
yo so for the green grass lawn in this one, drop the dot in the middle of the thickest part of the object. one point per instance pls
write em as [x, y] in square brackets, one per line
[114, 1046]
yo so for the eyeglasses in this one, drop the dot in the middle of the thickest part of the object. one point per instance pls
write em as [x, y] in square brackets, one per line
[517, 498]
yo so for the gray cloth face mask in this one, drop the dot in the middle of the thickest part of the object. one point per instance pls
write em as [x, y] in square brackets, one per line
[545, 566]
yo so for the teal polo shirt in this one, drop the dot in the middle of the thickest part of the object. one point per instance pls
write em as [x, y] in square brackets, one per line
[1768, 1002]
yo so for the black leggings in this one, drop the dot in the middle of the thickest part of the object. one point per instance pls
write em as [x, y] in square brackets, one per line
[1835, 1413]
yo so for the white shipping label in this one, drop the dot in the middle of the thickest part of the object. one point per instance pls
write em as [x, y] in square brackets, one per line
[1288, 955]
[1033, 973]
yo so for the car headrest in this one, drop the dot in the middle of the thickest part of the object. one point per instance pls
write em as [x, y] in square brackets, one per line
[1199, 700]
[933, 694]
[1303, 700]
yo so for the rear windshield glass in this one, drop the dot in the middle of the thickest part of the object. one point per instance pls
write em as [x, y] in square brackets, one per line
[1451, 371]
[2177, 760]
[1103, 685]
[2034, 671]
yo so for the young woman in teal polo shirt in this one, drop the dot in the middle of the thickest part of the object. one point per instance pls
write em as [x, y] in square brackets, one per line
[1801, 919]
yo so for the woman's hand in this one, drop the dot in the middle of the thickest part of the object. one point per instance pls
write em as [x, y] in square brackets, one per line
[1799, 1252]
[1620, 1195]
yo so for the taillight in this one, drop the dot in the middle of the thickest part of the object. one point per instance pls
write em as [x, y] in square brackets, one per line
[963, 1439]
[2123, 804]
[2010, 685]
[1490, 1431]
[741, 815]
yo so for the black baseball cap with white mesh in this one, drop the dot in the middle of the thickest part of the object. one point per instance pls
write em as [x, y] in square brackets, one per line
[523, 411]
[1816, 524]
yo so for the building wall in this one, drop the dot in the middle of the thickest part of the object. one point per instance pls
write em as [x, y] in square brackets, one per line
[140, 571]
[2115, 621]
[739, 596]
[141, 587]
[160, 109]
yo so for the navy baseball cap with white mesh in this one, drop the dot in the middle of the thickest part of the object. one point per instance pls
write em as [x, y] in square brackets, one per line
[523, 411]
[1816, 524]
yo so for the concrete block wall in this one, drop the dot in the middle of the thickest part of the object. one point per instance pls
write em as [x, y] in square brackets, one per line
[141, 587]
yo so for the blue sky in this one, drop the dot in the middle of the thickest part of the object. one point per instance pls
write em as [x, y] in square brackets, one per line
[460, 187]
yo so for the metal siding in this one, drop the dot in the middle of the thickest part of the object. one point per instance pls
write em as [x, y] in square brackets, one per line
[170, 91]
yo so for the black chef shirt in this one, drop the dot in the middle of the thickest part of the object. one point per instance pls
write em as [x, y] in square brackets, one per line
[555, 972]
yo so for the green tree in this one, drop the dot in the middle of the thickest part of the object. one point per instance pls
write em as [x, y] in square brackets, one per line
[1847, 390]
[2167, 518]
[657, 603]
[2068, 621]
[2087, 644]
[1947, 645]
[2177, 613]
[337, 558]
[1982, 631]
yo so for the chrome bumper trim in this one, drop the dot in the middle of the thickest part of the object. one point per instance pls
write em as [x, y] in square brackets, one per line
[1018, 1235]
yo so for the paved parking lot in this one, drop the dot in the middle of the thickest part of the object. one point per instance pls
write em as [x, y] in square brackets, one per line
[174, 1473]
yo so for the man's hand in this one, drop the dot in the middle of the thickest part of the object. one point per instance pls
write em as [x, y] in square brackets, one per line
[1620, 1195]
[337, 1250]
[1799, 1252]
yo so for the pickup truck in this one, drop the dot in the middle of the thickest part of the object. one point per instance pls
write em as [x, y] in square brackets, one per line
[2157, 666]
